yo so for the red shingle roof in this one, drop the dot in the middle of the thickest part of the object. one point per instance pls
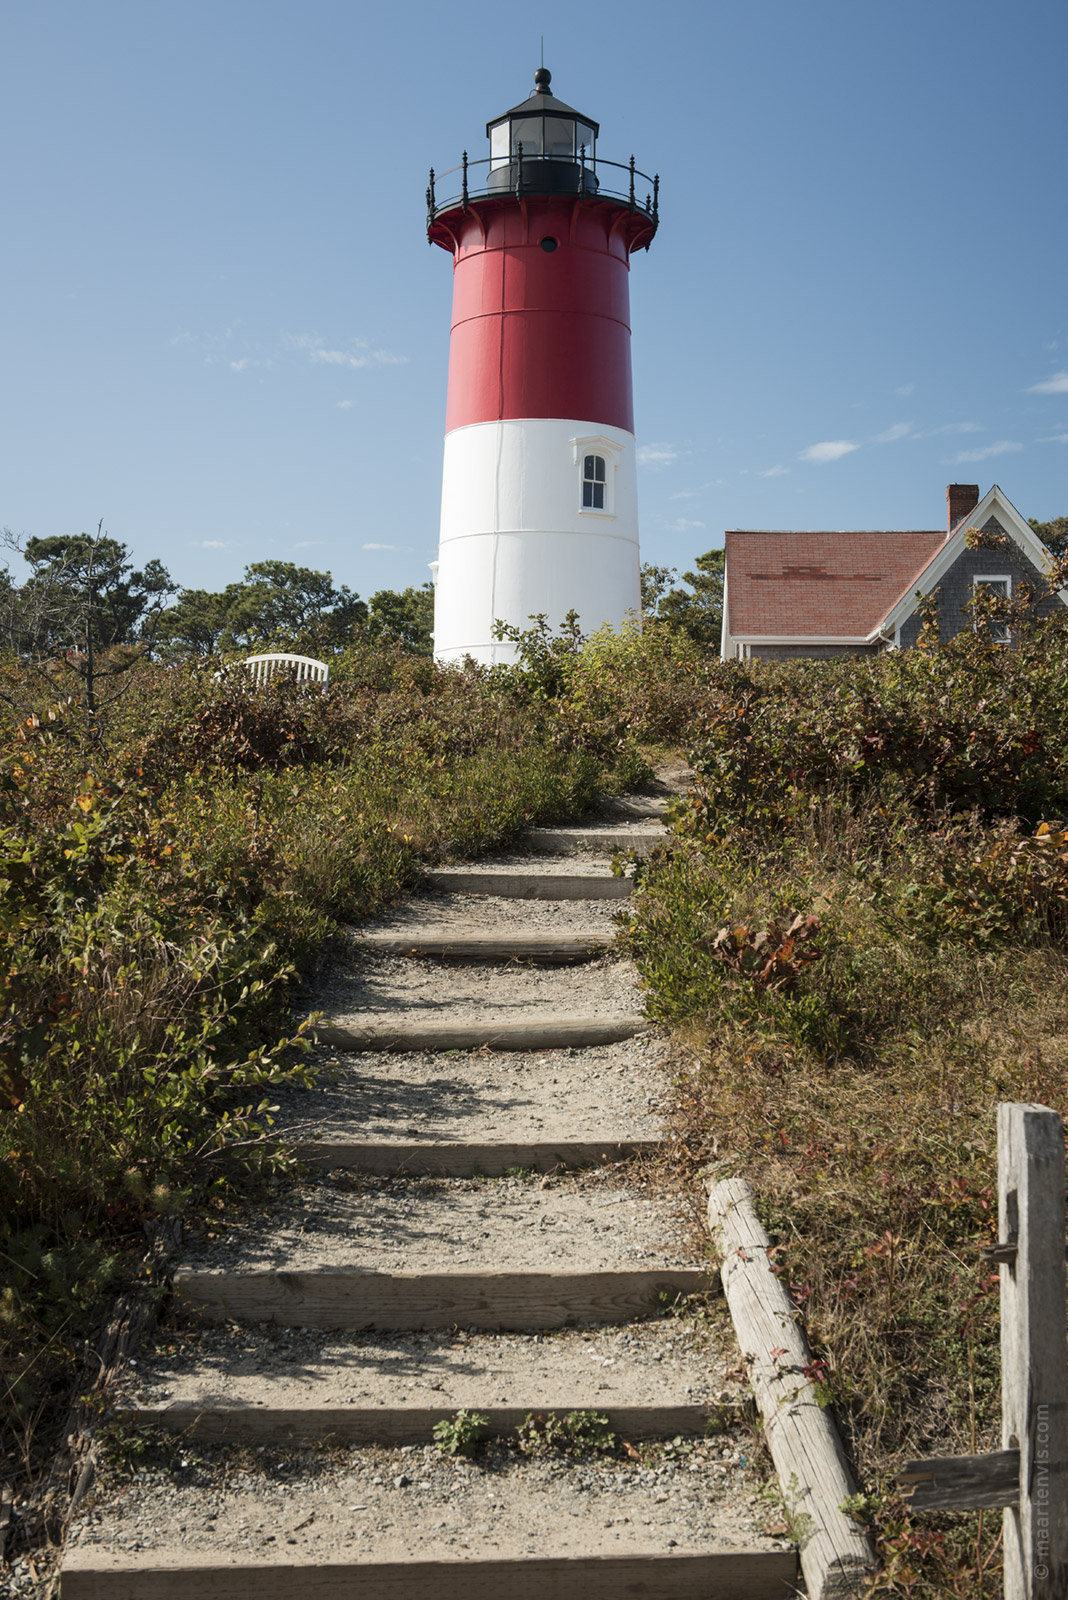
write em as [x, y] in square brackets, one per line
[820, 585]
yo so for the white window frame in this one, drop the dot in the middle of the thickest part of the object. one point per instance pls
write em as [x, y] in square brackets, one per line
[610, 450]
[994, 577]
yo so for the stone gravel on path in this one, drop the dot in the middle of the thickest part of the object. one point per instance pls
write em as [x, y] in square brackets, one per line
[585, 1222]
[604, 1091]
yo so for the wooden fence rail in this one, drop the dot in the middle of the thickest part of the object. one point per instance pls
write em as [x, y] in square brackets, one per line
[1028, 1476]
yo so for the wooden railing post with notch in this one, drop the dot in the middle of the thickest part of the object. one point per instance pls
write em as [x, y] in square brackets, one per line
[1034, 1340]
[1028, 1476]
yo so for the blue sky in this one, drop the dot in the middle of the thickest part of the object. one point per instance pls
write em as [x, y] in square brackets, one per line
[222, 330]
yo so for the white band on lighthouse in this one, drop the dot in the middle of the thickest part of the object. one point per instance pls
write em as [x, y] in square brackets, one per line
[538, 516]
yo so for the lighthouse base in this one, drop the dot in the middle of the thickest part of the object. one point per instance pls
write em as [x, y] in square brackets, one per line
[517, 541]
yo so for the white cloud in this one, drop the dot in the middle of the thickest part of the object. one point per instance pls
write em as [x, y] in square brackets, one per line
[774, 472]
[406, 548]
[181, 338]
[212, 544]
[828, 450]
[358, 358]
[359, 353]
[1001, 448]
[239, 366]
[949, 427]
[308, 544]
[1054, 438]
[683, 525]
[899, 430]
[905, 390]
[657, 455]
[344, 405]
[1057, 384]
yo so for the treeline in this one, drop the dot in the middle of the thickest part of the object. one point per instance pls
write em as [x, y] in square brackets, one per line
[83, 593]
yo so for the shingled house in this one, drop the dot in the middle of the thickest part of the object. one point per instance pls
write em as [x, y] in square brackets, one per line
[851, 594]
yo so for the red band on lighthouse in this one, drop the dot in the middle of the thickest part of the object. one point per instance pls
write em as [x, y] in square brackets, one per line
[536, 331]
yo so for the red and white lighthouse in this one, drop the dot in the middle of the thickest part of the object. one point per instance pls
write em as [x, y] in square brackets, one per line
[539, 510]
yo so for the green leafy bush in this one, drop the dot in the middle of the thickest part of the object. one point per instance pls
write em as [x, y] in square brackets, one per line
[164, 895]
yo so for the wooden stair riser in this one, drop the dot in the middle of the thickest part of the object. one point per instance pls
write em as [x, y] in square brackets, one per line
[635, 809]
[552, 950]
[356, 1425]
[533, 886]
[552, 841]
[506, 1301]
[559, 1033]
[469, 1160]
[718, 1575]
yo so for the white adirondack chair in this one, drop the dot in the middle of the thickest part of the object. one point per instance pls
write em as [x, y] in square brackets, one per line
[305, 669]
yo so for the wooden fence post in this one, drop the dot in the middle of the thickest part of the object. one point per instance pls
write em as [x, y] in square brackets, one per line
[1034, 1348]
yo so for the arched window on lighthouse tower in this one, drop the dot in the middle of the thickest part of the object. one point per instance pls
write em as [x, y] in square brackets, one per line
[593, 483]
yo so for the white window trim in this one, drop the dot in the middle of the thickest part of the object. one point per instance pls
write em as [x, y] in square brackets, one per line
[597, 444]
[994, 577]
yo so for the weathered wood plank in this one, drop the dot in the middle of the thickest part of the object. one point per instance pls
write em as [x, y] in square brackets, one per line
[961, 1483]
[836, 1555]
[560, 841]
[548, 949]
[634, 805]
[509, 1300]
[546, 1032]
[1034, 1373]
[393, 1425]
[532, 885]
[92, 1574]
[461, 1160]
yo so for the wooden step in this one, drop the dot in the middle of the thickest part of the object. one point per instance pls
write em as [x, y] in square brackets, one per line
[419, 1300]
[531, 885]
[444, 1160]
[559, 841]
[90, 1573]
[547, 1032]
[394, 1425]
[638, 806]
[547, 949]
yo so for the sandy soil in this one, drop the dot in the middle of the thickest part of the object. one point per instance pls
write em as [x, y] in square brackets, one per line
[662, 1362]
[588, 1222]
[607, 1091]
[400, 1504]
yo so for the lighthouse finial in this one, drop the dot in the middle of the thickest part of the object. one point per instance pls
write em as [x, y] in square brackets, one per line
[542, 79]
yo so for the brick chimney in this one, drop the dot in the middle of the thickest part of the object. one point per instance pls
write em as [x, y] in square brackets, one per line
[960, 499]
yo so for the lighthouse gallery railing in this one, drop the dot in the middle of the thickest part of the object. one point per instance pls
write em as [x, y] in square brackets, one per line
[517, 181]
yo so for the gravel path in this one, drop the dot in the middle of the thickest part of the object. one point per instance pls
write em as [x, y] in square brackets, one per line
[607, 1091]
[669, 1361]
[581, 1223]
[385, 1505]
[173, 1503]
[436, 991]
[434, 910]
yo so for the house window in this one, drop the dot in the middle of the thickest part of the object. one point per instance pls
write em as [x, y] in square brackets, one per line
[999, 586]
[593, 483]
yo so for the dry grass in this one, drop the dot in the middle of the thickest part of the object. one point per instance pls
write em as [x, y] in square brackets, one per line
[861, 1105]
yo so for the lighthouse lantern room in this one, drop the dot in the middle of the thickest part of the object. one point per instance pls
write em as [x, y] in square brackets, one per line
[539, 512]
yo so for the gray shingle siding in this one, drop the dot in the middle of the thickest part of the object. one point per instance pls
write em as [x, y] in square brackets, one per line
[810, 652]
[955, 589]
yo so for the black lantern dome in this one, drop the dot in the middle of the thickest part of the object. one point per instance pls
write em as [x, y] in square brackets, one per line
[543, 145]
